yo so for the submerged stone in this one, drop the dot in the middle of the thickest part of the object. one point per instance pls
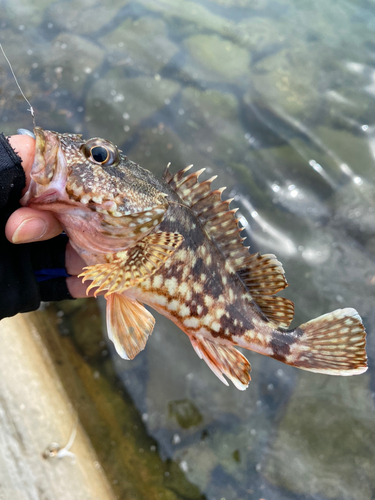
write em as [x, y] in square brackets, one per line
[185, 413]
[190, 16]
[260, 34]
[84, 16]
[248, 4]
[159, 145]
[228, 452]
[71, 73]
[211, 122]
[285, 81]
[149, 53]
[326, 441]
[81, 319]
[176, 481]
[116, 106]
[32, 11]
[353, 154]
[213, 58]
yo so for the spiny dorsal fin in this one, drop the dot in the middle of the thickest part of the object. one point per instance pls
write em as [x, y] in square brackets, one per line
[132, 266]
[167, 176]
[263, 275]
[220, 222]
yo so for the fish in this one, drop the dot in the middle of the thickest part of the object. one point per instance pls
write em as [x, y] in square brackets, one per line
[174, 244]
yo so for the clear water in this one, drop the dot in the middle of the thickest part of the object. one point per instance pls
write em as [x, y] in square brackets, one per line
[277, 98]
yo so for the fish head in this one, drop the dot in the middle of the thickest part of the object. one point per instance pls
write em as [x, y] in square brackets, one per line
[93, 172]
[91, 185]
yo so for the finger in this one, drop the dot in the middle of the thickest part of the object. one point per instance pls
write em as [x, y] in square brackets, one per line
[74, 265]
[24, 146]
[77, 289]
[73, 262]
[26, 225]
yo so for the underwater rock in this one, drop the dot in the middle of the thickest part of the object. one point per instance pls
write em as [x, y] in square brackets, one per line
[260, 34]
[284, 81]
[211, 122]
[354, 157]
[185, 413]
[81, 319]
[189, 17]
[326, 440]
[71, 73]
[198, 460]
[226, 450]
[31, 12]
[212, 58]
[116, 105]
[83, 16]
[160, 145]
[248, 4]
[148, 53]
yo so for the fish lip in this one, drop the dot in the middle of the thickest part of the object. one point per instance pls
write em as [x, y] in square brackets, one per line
[48, 173]
[48, 197]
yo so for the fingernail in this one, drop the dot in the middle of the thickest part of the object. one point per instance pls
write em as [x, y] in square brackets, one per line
[30, 230]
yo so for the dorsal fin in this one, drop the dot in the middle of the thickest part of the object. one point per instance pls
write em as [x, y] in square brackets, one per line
[213, 212]
[263, 275]
[167, 176]
[279, 310]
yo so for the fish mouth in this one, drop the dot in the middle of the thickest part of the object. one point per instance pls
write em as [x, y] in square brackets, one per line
[48, 173]
[49, 196]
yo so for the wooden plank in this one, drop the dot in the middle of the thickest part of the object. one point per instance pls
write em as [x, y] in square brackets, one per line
[35, 411]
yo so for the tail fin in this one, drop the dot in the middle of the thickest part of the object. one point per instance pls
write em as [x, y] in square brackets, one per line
[333, 344]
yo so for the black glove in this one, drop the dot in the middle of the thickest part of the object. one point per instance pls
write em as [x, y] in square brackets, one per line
[29, 272]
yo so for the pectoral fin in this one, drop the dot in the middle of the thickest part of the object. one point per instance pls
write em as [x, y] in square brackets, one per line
[134, 265]
[223, 360]
[129, 325]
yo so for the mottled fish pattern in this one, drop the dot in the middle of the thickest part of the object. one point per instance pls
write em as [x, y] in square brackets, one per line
[175, 245]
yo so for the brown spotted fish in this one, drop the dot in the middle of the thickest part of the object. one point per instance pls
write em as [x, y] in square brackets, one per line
[175, 245]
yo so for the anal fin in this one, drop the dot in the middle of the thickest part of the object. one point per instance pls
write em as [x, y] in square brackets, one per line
[129, 325]
[223, 360]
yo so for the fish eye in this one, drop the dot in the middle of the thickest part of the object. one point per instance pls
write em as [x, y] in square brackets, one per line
[101, 152]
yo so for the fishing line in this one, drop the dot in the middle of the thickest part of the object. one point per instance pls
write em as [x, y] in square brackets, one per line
[31, 109]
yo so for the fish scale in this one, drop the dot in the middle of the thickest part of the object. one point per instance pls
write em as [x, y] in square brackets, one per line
[175, 245]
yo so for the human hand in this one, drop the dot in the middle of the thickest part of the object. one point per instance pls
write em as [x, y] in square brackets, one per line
[27, 225]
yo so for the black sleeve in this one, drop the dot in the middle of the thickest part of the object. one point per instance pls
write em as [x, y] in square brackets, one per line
[21, 266]
[12, 176]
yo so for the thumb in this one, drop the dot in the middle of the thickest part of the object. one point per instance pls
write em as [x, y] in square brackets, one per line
[26, 225]
[24, 146]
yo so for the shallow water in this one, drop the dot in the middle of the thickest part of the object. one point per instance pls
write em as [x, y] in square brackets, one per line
[277, 98]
